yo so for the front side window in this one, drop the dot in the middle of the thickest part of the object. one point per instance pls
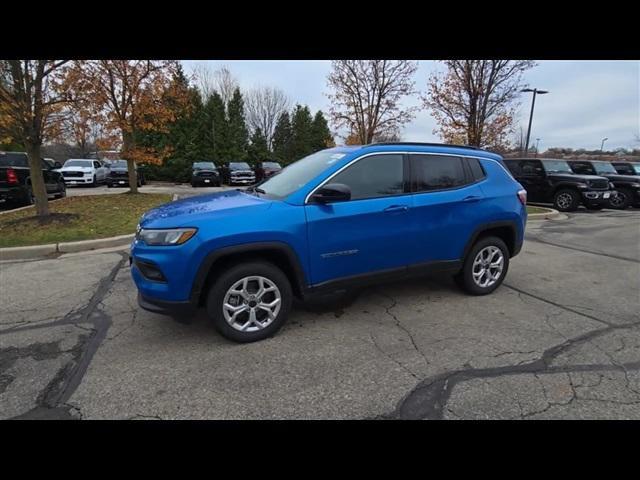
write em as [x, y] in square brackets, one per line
[556, 166]
[373, 176]
[435, 172]
[96, 164]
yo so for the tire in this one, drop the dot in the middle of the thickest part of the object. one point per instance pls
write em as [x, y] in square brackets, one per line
[566, 200]
[594, 207]
[622, 200]
[230, 278]
[193, 185]
[465, 278]
[28, 198]
[63, 190]
[94, 183]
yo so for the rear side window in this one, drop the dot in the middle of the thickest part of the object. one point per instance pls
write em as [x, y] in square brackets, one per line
[531, 167]
[434, 172]
[374, 176]
[513, 166]
[477, 172]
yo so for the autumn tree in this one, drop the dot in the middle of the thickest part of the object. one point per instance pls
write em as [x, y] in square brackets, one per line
[32, 96]
[132, 96]
[366, 96]
[264, 105]
[474, 101]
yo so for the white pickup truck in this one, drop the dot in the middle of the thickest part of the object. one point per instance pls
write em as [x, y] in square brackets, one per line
[80, 171]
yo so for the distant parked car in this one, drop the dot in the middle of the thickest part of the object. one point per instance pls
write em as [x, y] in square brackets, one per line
[266, 169]
[15, 179]
[205, 174]
[553, 181]
[119, 174]
[83, 171]
[627, 186]
[55, 165]
[240, 173]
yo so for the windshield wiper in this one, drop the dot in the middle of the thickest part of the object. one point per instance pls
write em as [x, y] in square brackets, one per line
[256, 189]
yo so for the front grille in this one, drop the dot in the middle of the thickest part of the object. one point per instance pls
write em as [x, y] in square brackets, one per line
[205, 174]
[73, 174]
[119, 174]
[599, 184]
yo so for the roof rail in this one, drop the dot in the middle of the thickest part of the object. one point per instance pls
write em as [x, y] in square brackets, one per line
[424, 144]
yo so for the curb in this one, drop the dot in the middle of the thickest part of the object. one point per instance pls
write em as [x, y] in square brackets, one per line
[551, 213]
[39, 251]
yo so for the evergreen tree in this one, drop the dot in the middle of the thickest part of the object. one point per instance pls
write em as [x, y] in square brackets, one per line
[301, 128]
[320, 133]
[258, 151]
[237, 132]
[282, 139]
[215, 129]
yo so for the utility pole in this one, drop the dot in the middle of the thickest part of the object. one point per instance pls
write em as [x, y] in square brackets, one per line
[533, 104]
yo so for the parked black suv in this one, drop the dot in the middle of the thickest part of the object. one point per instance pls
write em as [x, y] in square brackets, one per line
[119, 174]
[627, 186]
[15, 179]
[627, 168]
[205, 174]
[553, 181]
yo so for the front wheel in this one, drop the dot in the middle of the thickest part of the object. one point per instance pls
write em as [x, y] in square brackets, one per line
[566, 200]
[484, 267]
[62, 190]
[94, 182]
[250, 301]
[621, 200]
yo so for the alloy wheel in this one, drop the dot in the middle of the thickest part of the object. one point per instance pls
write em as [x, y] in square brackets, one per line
[251, 304]
[487, 266]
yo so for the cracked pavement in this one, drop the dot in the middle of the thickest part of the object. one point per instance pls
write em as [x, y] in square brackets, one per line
[560, 339]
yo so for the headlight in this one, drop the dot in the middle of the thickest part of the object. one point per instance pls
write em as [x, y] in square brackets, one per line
[635, 185]
[173, 236]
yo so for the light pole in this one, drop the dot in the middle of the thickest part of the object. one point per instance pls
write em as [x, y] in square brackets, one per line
[602, 144]
[533, 104]
[537, 142]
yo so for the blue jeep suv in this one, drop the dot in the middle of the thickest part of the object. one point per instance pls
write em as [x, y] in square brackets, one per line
[340, 217]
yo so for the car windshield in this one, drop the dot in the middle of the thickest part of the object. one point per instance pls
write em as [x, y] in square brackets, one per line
[271, 165]
[603, 167]
[203, 165]
[239, 166]
[118, 164]
[78, 163]
[299, 173]
[556, 166]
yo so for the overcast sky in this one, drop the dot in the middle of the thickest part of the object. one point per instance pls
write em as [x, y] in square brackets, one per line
[588, 100]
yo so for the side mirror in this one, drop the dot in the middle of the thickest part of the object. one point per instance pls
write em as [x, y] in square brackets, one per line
[332, 192]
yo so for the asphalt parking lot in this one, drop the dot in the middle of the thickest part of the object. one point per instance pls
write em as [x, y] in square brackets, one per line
[560, 339]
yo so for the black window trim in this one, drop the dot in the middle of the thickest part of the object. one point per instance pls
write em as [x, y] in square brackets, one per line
[465, 168]
[406, 154]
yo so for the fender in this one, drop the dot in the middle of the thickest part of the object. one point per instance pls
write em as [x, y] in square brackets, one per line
[488, 226]
[211, 258]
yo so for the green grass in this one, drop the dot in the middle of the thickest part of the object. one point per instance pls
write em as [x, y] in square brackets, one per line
[78, 218]
[537, 209]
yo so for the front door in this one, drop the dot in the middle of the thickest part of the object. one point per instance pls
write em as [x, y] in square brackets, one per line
[371, 233]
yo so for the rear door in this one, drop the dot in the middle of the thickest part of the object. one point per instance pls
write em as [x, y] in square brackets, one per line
[368, 234]
[445, 207]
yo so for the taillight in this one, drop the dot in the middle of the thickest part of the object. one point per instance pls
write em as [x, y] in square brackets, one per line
[12, 178]
[522, 196]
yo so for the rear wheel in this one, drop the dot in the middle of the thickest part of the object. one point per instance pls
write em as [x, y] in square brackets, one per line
[621, 200]
[566, 200]
[62, 190]
[29, 199]
[485, 266]
[250, 301]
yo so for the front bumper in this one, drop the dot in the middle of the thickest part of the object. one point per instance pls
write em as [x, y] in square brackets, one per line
[243, 181]
[597, 198]
[162, 307]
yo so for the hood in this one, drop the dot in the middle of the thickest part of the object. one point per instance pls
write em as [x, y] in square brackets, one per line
[575, 176]
[622, 178]
[190, 211]
[75, 169]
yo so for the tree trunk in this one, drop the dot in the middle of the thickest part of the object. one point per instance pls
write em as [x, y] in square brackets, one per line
[127, 144]
[37, 180]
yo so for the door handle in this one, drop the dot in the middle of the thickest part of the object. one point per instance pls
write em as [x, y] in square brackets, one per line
[471, 198]
[397, 208]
